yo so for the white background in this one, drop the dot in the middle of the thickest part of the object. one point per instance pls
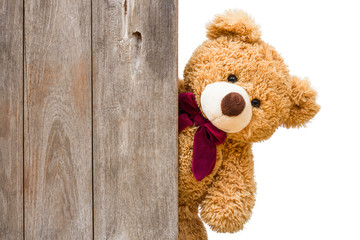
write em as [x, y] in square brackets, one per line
[308, 179]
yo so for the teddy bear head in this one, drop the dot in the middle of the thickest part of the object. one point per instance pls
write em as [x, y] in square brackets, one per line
[242, 85]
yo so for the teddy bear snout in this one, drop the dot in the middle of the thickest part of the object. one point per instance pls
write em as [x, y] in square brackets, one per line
[232, 104]
[226, 105]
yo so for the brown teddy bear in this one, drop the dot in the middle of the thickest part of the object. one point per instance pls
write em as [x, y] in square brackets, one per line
[237, 90]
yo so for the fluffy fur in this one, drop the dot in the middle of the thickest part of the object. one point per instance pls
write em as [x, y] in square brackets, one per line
[226, 197]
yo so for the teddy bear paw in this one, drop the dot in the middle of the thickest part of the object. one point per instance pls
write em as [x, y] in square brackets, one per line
[225, 216]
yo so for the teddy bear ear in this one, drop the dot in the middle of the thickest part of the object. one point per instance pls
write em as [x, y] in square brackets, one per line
[304, 106]
[234, 23]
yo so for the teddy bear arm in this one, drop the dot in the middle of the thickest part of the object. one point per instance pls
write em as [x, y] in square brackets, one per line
[229, 202]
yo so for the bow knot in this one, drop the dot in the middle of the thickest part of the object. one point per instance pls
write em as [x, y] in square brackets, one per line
[199, 120]
[206, 138]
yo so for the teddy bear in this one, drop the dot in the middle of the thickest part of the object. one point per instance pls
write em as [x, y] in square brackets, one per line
[236, 91]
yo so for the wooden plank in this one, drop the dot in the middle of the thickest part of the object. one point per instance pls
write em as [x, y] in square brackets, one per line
[11, 119]
[135, 119]
[58, 157]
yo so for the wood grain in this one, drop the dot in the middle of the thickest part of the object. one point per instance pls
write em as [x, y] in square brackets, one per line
[58, 184]
[11, 119]
[135, 119]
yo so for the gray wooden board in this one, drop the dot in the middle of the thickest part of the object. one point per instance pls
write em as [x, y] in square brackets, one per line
[11, 119]
[135, 119]
[57, 108]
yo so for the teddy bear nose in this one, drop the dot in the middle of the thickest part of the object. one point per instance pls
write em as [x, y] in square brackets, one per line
[232, 104]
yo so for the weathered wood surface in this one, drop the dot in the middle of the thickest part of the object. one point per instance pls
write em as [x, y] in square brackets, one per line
[58, 157]
[11, 119]
[135, 119]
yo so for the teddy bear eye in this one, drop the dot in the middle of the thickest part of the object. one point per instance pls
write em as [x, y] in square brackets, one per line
[232, 78]
[255, 103]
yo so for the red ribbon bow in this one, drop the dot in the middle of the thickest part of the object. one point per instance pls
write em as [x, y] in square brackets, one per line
[206, 137]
